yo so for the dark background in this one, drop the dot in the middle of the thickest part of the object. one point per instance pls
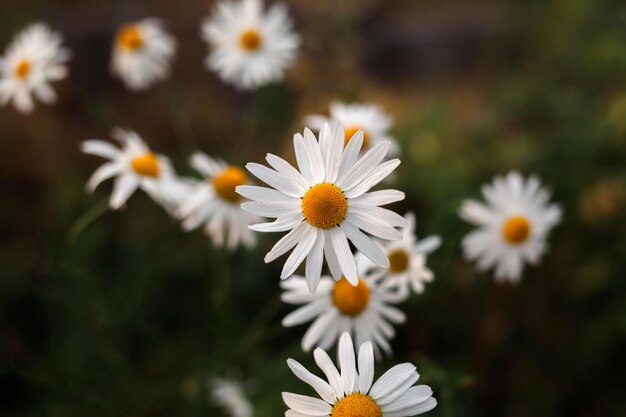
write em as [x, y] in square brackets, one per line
[123, 314]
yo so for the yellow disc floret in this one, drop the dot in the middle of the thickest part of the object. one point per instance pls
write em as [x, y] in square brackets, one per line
[398, 260]
[516, 230]
[351, 300]
[22, 69]
[130, 37]
[351, 131]
[250, 40]
[324, 205]
[356, 405]
[146, 165]
[226, 183]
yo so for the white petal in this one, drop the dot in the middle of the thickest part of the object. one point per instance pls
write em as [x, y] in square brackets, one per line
[420, 408]
[285, 168]
[99, 148]
[331, 257]
[347, 363]
[300, 252]
[412, 397]
[314, 261]
[286, 242]
[306, 405]
[319, 385]
[315, 156]
[350, 155]
[344, 254]
[364, 166]
[373, 226]
[391, 380]
[365, 245]
[104, 172]
[378, 198]
[263, 194]
[306, 312]
[334, 151]
[272, 210]
[124, 186]
[366, 367]
[372, 178]
[318, 328]
[332, 374]
[277, 180]
[282, 224]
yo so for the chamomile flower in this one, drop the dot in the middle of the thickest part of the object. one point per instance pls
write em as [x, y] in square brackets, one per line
[369, 118]
[250, 47]
[364, 310]
[142, 54]
[32, 61]
[512, 226]
[214, 204]
[407, 261]
[351, 391]
[133, 166]
[230, 396]
[325, 203]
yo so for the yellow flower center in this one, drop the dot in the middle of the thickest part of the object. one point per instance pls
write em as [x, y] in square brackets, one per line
[351, 300]
[22, 69]
[398, 261]
[129, 37]
[516, 230]
[350, 131]
[251, 40]
[356, 405]
[324, 205]
[146, 165]
[225, 183]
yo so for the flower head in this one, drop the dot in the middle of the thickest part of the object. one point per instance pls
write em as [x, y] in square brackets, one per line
[32, 61]
[512, 226]
[250, 47]
[351, 391]
[142, 53]
[213, 202]
[325, 203]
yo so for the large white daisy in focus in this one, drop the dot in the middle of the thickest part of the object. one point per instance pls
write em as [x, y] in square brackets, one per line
[351, 391]
[142, 54]
[325, 203]
[512, 226]
[134, 166]
[32, 61]
[369, 118]
[214, 204]
[365, 311]
[249, 47]
[407, 261]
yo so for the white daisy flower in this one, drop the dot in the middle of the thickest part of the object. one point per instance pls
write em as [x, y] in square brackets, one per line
[369, 118]
[407, 261]
[32, 61]
[134, 166]
[229, 395]
[250, 47]
[142, 54]
[351, 391]
[326, 203]
[513, 226]
[364, 310]
[214, 203]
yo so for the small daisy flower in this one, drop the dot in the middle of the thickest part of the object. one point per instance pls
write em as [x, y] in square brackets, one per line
[364, 311]
[249, 47]
[351, 391]
[214, 203]
[133, 166]
[368, 118]
[407, 261]
[142, 54]
[32, 61]
[229, 395]
[325, 203]
[513, 226]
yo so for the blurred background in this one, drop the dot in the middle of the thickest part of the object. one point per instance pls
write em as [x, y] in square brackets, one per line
[123, 314]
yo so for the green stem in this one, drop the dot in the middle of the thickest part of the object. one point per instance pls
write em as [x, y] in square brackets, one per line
[85, 220]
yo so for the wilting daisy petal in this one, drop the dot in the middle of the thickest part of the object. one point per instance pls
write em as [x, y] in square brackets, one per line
[512, 227]
[213, 204]
[230, 396]
[369, 118]
[32, 61]
[250, 47]
[365, 311]
[134, 166]
[324, 203]
[350, 392]
[407, 261]
[142, 53]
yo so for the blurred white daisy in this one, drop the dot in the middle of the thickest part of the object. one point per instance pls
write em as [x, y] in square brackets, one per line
[32, 61]
[513, 226]
[364, 311]
[369, 118]
[325, 203]
[351, 391]
[407, 261]
[142, 54]
[250, 47]
[214, 203]
[229, 395]
[133, 166]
